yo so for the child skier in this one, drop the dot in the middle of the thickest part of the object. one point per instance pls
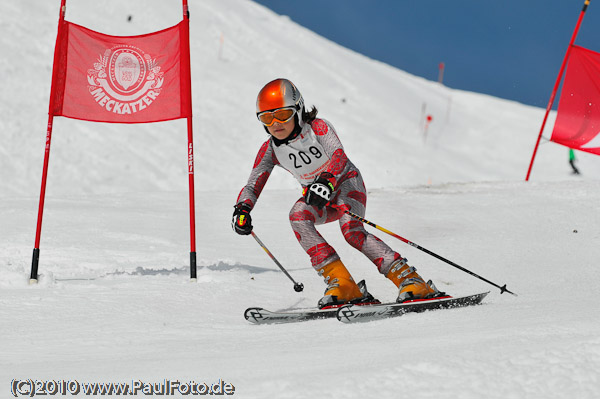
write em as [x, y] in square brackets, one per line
[310, 149]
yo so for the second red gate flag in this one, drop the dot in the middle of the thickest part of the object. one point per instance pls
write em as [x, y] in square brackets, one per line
[578, 121]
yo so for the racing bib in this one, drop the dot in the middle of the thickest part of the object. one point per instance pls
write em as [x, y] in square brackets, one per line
[304, 157]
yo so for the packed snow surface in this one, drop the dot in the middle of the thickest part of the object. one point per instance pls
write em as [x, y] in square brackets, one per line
[114, 302]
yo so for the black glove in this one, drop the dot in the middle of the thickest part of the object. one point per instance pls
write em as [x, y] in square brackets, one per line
[319, 192]
[242, 222]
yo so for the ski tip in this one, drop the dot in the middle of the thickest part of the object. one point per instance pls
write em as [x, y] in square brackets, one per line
[253, 315]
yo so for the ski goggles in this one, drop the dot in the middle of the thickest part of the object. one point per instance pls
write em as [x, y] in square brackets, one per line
[281, 115]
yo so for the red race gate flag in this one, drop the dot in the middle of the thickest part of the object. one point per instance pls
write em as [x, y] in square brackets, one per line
[578, 121]
[125, 79]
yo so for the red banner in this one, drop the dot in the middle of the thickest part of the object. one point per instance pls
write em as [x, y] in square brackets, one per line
[578, 121]
[124, 79]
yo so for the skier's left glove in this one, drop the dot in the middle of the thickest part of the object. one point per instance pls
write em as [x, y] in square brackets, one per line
[318, 193]
[241, 221]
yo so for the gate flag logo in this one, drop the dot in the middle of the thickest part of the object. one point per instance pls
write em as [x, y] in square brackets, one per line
[125, 79]
[578, 120]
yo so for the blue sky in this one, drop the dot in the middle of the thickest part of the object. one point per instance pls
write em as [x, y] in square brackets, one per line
[511, 49]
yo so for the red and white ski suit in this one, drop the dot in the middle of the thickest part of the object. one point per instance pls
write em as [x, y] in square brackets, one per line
[318, 149]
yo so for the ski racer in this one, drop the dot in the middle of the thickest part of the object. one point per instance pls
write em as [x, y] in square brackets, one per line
[309, 148]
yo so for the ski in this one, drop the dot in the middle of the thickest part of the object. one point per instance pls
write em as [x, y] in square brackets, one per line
[353, 314]
[264, 316]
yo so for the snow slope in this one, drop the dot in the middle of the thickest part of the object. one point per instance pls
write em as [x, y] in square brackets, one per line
[114, 302]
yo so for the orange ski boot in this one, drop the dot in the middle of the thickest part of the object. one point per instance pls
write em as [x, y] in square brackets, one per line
[410, 284]
[341, 287]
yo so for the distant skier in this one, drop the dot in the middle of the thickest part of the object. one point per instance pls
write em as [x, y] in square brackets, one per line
[572, 161]
[309, 148]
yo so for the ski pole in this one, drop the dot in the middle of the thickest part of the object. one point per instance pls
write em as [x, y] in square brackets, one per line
[503, 289]
[298, 287]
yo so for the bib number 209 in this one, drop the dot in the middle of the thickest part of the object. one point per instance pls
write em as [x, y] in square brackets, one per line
[304, 158]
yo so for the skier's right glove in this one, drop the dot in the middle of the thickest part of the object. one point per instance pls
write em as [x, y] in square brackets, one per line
[241, 221]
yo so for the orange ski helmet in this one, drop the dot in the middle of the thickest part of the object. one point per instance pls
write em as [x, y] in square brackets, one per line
[279, 93]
